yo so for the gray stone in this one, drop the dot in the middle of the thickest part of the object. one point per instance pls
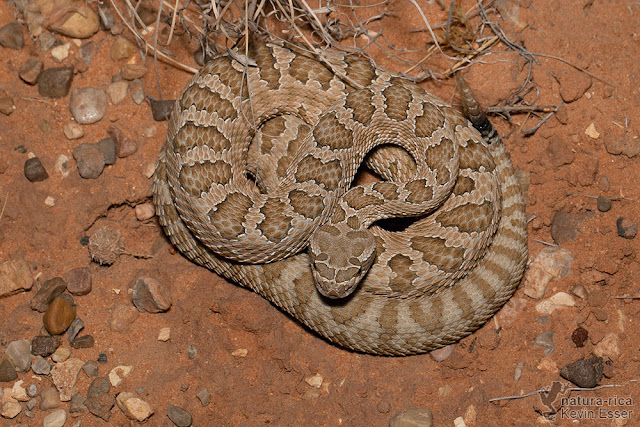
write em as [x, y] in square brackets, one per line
[47, 292]
[46, 41]
[41, 366]
[90, 368]
[137, 92]
[85, 341]
[55, 82]
[34, 170]
[412, 418]
[117, 91]
[99, 402]
[31, 403]
[108, 148]
[88, 105]
[77, 404]
[179, 416]
[545, 341]
[204, 396]
[89, 159]
[19, 352]
[32, 390]
[124, 146]
[604, 204]
[11, 36]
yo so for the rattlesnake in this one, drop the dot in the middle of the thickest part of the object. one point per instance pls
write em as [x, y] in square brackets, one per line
[260, 153]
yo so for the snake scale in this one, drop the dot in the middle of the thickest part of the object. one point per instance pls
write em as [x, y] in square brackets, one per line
[255, 183]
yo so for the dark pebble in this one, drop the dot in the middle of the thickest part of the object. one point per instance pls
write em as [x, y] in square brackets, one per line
[85, 341]
[90, 368]
[99, 402]
[566, 226]
[34, 171]
[626, 228]
[77, 404]
[30, 71]
[11, 36]
[604, 204]
[89, 159]
[48, 291]
[179, 416]
[579, 336]
[84, 240]
[108, 148]
[79, 281]
[7, 371]
[584, 373]
[87, 51]
[55, 82]
[161, 109]
[44, 345]
[102, 358]
[74, 329]
[20, 149]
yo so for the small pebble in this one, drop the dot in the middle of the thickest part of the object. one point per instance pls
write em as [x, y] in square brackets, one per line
[77, 404]
[179, 416]
[34, 171]
[148, 169]
[134, 407]
[90, 368]
[46, 41]
[74, 329]
[517, 372]
[62, 353]
[124, 145]
[412, 417]
[44, 345]
[7, 105]
[55, 419]
[10, 409]
[32, 403]
[87, 51]
[122, 49]
[85, 341]
[79, 281]
[192, 352]
[73, 130]
[49, 398]
[136, 91]
[151, 296]
[442, 353]
[99, 402]
[133, 71]
[59, 316]
[117, 92]
[30, 71]
[40, 366]
[118, 374]
[204, 396]
[89, 159]
[145, 211]
[106, 19]
[18, 392]
[314, 381]
[626, 228]
[60, 52]
[240, 352]
[55, 82]
[604, 204]
[150, 131]
[19, 351]
[123, 316]
[164, 335]
[7, 371]
[48, 291]
[49, 201]
[32, 390]
[88, 105]
[545, 341]
[102, 358]
[604, 184]
[584, 373]
[65, 375]
[80, 24]
[11, 36]
[108, 148]
[161, 109]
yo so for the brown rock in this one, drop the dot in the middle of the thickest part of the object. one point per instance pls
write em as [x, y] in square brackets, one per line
[122, 316]
[79, 281]
[59, 316]
[573, 83]
[133, 71]
[151, 296]
[124, 145]
[15, 277]
[49, 291]
[621, 144]
[560, 152]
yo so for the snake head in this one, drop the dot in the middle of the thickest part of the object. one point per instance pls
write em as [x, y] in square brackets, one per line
[340, 258]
